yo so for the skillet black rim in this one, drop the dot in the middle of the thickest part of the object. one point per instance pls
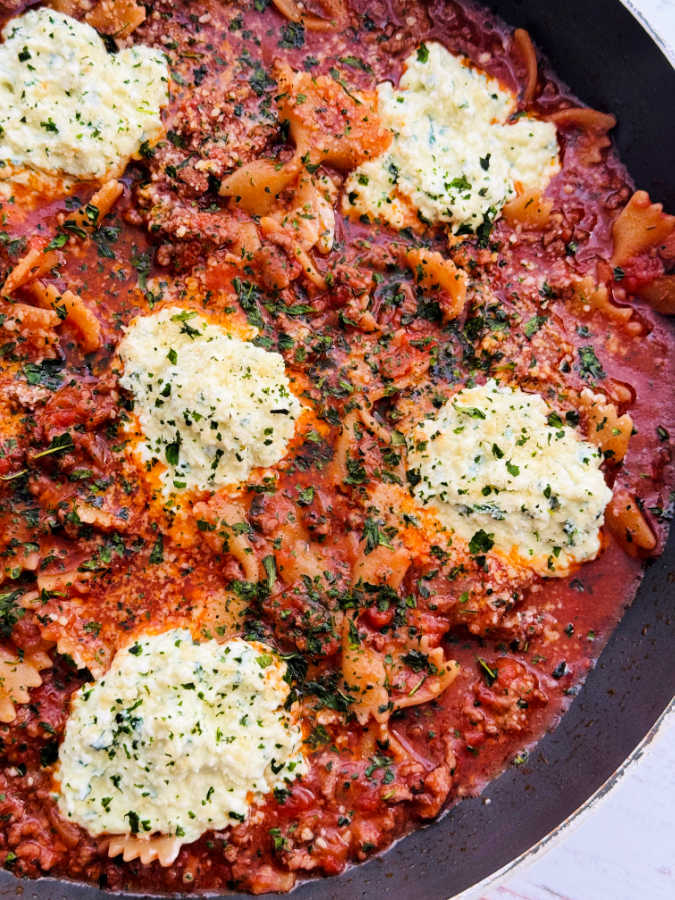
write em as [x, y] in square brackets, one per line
[578, 817]
[610, 61]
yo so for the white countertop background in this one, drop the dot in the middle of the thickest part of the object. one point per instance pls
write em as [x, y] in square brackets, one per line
[623, 848]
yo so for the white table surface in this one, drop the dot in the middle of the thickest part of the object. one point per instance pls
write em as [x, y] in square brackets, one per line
[624, 848]
[621, 849]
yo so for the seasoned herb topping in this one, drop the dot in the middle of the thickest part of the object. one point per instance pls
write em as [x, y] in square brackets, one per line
[67, 106]
[502, 470]
[177, 738]
[210, 405]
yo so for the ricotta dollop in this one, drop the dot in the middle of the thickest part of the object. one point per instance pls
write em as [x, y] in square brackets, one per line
[177, 738]
[210, 405]
[497, 465]
[69, 107]
[455, 157]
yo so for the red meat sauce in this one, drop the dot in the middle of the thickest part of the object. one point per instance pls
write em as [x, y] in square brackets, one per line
[522, 658]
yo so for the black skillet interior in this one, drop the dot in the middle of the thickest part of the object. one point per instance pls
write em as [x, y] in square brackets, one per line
[603, 53]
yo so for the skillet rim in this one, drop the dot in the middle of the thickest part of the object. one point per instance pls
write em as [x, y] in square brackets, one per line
[362, 881]
[580, 815]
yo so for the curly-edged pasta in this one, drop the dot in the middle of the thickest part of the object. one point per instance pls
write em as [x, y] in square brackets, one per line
[306, 222]
[116, 17]
[62, 575]
[588, 297]
[639, 226]
[627, 523]
[298, 557]
[100, 518]
[295, 12]
[338, 466]
[529, 209]
[86, 218]
[36, 263]
[18, 674]
[660, 294]
[245, 245]
[605, 427]
[60, 633]
[312, 216]
[382, 565]
[522, 42]
[220, 614]
[429, 687]
[275, 231]
[256, 186]
[381, 432]
[228, 532]
[71, 308]
[160, 848]
[38, 326]
[328, 123]
[308, 267]
[434, 272]
[584, 118]
[364, 676]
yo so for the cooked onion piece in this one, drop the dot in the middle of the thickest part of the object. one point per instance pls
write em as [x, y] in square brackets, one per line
[455, 158]
[178, 738]
[499, 467]
[210, 405]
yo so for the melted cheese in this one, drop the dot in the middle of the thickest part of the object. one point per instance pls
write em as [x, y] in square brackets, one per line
[210, 405]
[498, 461]
[454, 156]
[177, 738]
[69, 107]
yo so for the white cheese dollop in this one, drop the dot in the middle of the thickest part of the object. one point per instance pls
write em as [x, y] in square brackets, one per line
[67, 106]
[177, 738]
[210, 405]
[454, 156]
[498, 460]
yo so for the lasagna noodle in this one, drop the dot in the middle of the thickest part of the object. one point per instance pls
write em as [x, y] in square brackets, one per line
[36, 263]
[71, 308]
[522, 42]
[294, 11]
[324, 551]
[18, 674]
[162, 849]
[639, 226]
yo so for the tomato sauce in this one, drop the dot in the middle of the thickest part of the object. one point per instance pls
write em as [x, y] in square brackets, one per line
[143, 563]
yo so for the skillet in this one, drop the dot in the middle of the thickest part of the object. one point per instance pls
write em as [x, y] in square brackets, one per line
[607, 58]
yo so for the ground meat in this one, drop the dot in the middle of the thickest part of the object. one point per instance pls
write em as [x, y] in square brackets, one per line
[436, 789]
[502, 700]
[220, 125]
[328, 548]
[396, 25]
[481, 600]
